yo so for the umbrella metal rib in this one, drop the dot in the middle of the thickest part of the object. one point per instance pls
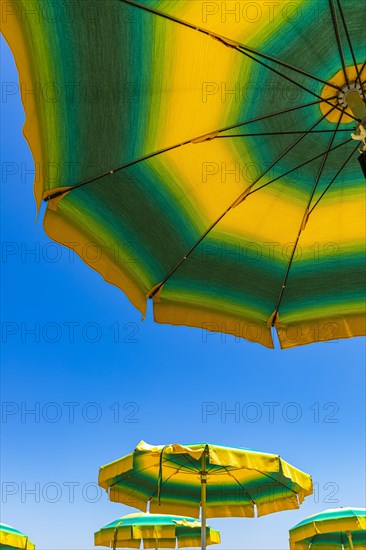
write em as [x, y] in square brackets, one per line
[287, 77]
[288, 66]
[241, 486]
[338, 39]
[300, 166]
[289, 148]
[303, 223]
[159, 286]
[161, 483]
[350, 46]
[229, 42]
[169, 462]
[196, 139]
[244, 50]
[156, 289]
[283, 133]
[176, 471]
[333, 180]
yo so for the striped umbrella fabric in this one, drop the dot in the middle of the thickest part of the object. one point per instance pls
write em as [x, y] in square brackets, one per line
[331, 530]
[201, 155]
[154, 531]
[11, 539]
[221, 481]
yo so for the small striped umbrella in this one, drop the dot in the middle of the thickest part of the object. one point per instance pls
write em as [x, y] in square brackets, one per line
[154, 531]
[221, 481]
[331, 530]
[11, 538]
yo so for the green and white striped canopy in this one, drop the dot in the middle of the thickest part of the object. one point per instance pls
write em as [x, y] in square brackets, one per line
[200, 154]
[331, 530]
[154, 531]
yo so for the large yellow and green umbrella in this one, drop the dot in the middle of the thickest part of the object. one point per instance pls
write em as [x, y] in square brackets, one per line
[214, 480]
[154, 531]
[12, 539]
[331, 530]
[200, 154]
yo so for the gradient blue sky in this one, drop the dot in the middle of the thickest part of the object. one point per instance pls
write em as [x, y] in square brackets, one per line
[150, 382]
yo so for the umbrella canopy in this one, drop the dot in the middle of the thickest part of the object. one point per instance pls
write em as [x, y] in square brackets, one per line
[11, 538]
[331, 530]
[155, 531]
[222, 481]
[201, 155]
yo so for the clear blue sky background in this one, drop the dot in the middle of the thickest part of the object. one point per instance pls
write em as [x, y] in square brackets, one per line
[150, 382]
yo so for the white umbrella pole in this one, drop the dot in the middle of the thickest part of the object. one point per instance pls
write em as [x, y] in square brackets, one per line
[203, 501]
[349, 536]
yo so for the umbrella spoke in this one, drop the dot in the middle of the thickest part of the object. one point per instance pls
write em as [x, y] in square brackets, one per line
[303, 222]
[146, 469]
[288, 66]
[283, 133]
[291, 80]
[229, 42]
[270, 115]
[300, 166]
[176, 472]
[277, 481]
[350, 46]
[168, 461]
[338, 38]
[289, 148]
[194, 466]
[244, 195]
[244, 50]
[240, 485]
[333, 180]
[197, 139]
[163, 482]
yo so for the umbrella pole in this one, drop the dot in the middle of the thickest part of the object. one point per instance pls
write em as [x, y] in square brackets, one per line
[349, 536]
[203, 500]
[356, 104]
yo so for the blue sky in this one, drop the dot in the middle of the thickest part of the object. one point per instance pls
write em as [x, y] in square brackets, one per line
[98, 380]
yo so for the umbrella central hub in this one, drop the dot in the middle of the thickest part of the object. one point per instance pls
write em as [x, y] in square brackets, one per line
[351, 97]
[348, 96]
